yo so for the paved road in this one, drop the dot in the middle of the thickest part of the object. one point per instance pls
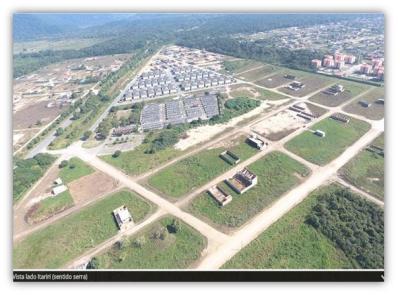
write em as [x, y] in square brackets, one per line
[222, 247]
[44, 143]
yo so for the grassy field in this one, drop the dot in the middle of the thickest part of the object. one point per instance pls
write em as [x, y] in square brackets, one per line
[49, 207]
[276, 173]
[136, 162]
[35, 46]
[352, 89]
[244, 90]
[238, 66]
[62, 241]
[255, 74]
[367, 171]
[76, 169]
[148, 250]
[290, 243]
[375, 112]
[194, 171]
[312, 84]
[322, 150]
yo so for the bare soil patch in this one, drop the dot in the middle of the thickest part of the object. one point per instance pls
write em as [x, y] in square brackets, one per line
[91, 186]
[28, 116]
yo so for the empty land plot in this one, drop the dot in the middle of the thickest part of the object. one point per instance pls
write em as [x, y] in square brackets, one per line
[49, 207]
[91, 187]
[75, 169]
[35, 114]
[274, 81]
[312, 84]
[351, 90]
[257, 73]
[254, 92]
[238, 66]
[322, 150]
[367, 170]
[194, 171]
[166, 244]
[285, 122]
[292, 243]
[276, 172]
[375, 111]
[139, 161]
[68, 238]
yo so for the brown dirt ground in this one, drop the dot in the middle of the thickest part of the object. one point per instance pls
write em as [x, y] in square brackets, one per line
[91, 187]
[30, 115]
[312, 84]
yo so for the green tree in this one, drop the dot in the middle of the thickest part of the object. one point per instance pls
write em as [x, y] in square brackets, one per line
[63, 164]
[117, 153]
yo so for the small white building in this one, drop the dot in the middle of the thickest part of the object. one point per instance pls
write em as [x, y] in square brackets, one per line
[58, 181]
[123, 217]
[59, 189]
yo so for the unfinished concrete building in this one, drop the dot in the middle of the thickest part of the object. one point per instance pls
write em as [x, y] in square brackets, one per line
[242, 181]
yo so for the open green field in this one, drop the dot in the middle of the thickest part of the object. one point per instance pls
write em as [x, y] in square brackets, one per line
[136, 161]
[291, 243]
[376, 111]
[62, 241]
[258, 73]
[312, 84]
[156, 247]
[35, 46]
[254, 92]
[276, 172]
[352, 89]
[194, 171]
[27, 172]
[76, 169]
[238, 66]
[322, 150]
[49, 207]
[367, 171]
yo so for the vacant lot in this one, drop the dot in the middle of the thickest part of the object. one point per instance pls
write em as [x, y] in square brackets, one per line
[36, 115]
[258, 73]
[194, 171]
[322, 150]
[66, 239]
[376, 111]
[35, 46]
[75, 169]
[367, 171]
[291, 243]
[274, 81]
[276, 172]
[91, 187]
[49, 207]
[312, 84]
[136, 162]
[285, 122]
[352, 89]
[254, 92]
[166, 244]
[238, 66]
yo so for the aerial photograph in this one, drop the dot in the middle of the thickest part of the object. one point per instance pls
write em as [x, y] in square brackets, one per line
[198, 142]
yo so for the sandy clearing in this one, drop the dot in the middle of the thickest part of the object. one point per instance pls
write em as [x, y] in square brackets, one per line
[91, 186]
[204, 133]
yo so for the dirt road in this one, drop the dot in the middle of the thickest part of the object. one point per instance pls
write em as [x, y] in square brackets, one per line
[259, 224]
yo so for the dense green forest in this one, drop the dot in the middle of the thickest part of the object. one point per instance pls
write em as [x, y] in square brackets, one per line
[27, 171]
[353, 224]
[127, 33]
